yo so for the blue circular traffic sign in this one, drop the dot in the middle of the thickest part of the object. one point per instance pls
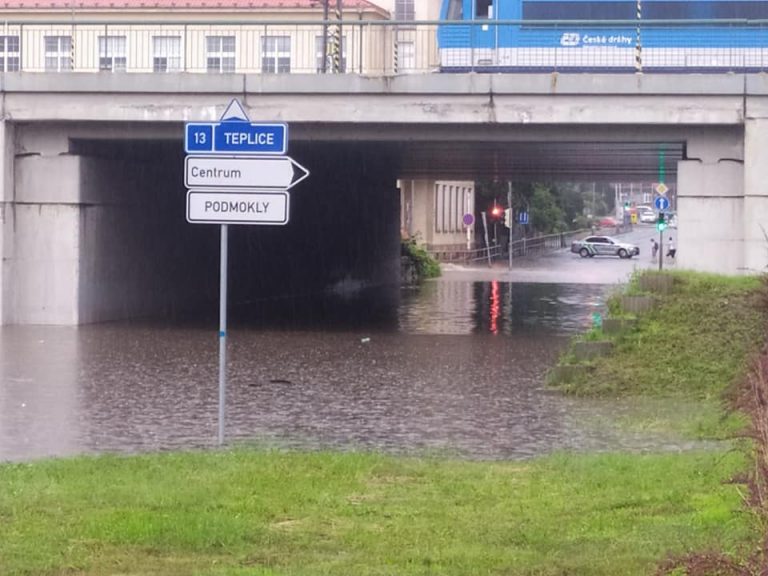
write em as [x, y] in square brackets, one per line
[661, 203]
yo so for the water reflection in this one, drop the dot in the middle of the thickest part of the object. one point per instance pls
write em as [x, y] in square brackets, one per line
[457, 367]
[501, 307]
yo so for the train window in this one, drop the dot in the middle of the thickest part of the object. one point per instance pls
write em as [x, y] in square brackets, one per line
[455, 10]
[754, 9]
[483, 9]
[652, 10]
[603, 10]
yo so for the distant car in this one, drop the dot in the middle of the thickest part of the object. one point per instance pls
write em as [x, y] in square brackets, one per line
[603, 246]
[607, 222]
[647, 216]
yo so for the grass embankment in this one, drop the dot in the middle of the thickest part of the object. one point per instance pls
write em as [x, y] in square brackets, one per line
[245, 512]
[250, 512]
[693, 347]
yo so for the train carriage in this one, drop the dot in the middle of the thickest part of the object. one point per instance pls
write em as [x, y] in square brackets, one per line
[603, 35]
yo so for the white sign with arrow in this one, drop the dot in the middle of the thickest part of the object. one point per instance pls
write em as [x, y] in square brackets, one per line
[256, 172]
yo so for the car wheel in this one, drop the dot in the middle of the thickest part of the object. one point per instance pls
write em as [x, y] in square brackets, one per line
[622, 253]
[583, 252]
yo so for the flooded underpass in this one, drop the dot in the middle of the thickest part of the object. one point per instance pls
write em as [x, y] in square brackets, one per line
[454, 368]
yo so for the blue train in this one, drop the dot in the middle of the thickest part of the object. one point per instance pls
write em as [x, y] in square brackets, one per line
[603, 35]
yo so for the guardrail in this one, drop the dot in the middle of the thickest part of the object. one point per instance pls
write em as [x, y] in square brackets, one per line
[381, 47]
[525, 247]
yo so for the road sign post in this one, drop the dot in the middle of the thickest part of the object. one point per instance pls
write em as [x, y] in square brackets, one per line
[236, 173]
[223, 328]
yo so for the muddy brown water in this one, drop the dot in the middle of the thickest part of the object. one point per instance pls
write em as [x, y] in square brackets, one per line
[454, 368]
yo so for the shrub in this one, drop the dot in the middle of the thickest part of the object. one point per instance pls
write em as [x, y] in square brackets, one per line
[426, 266]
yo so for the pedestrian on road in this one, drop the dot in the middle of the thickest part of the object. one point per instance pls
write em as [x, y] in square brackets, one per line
[654, 248]
[671, 251]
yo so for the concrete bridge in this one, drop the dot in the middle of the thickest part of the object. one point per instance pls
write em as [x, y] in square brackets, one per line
[93, 223]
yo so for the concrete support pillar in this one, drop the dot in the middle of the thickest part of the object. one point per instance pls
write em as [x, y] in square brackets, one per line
[7, 224]
[46, 259]
[710, 188]
[423, 210]
[755, 219]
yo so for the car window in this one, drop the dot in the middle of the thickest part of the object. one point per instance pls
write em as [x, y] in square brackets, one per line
[593, 239]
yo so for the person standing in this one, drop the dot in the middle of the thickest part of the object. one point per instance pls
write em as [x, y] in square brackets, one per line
[671, 250]
[654, 248]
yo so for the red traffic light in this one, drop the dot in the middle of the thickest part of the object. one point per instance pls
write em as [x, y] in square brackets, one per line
[496, 211]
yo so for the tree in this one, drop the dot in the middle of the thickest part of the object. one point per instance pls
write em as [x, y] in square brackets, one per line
[546, 215]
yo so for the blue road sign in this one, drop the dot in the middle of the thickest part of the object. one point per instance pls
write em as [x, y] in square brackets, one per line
[235, 137]
[661, 203]
[522, 217]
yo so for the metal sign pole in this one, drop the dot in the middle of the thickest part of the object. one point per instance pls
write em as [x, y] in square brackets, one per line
[661, 248]
[487, 244]
[223, 330]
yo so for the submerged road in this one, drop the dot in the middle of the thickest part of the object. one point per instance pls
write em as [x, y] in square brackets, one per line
[456, 366]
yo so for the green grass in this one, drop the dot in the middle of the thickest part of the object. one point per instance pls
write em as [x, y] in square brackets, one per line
[248, 512]
[695, 344]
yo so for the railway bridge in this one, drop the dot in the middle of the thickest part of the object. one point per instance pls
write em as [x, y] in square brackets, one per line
[93, 201]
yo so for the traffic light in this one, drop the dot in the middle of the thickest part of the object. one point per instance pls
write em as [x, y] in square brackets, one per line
[496, 211]
[661, 222]
[508, 217]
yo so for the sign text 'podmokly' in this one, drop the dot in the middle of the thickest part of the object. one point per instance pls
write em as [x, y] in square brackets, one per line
[217, 207]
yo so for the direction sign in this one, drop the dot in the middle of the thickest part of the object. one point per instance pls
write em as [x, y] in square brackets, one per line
[661, 203]
[255, 172]
[226, 207]
[235, 138]
[235, 134]
[522, 217]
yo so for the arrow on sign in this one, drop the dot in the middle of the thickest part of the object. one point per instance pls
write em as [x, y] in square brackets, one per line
[260, 172]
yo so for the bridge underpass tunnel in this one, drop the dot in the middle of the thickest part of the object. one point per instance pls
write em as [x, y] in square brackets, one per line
[118, 245]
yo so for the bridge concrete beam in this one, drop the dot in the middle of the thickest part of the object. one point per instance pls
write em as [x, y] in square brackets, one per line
[471, 98]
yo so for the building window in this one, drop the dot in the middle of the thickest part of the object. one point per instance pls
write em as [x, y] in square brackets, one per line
[404, 10]
[329, 63]
[9, 54]
[276, 54]
[220, 56]
[406, 56]
[58, 53]
[166, 53]
[112, 50]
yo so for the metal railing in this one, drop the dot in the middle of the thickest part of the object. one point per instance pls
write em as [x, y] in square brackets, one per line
[382, 47]
[522, 248]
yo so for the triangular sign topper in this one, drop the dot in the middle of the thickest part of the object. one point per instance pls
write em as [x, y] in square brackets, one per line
[234, 113]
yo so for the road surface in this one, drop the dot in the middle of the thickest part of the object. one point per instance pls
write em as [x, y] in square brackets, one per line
[565, 267]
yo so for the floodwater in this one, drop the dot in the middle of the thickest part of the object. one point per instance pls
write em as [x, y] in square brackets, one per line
[454, 368]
